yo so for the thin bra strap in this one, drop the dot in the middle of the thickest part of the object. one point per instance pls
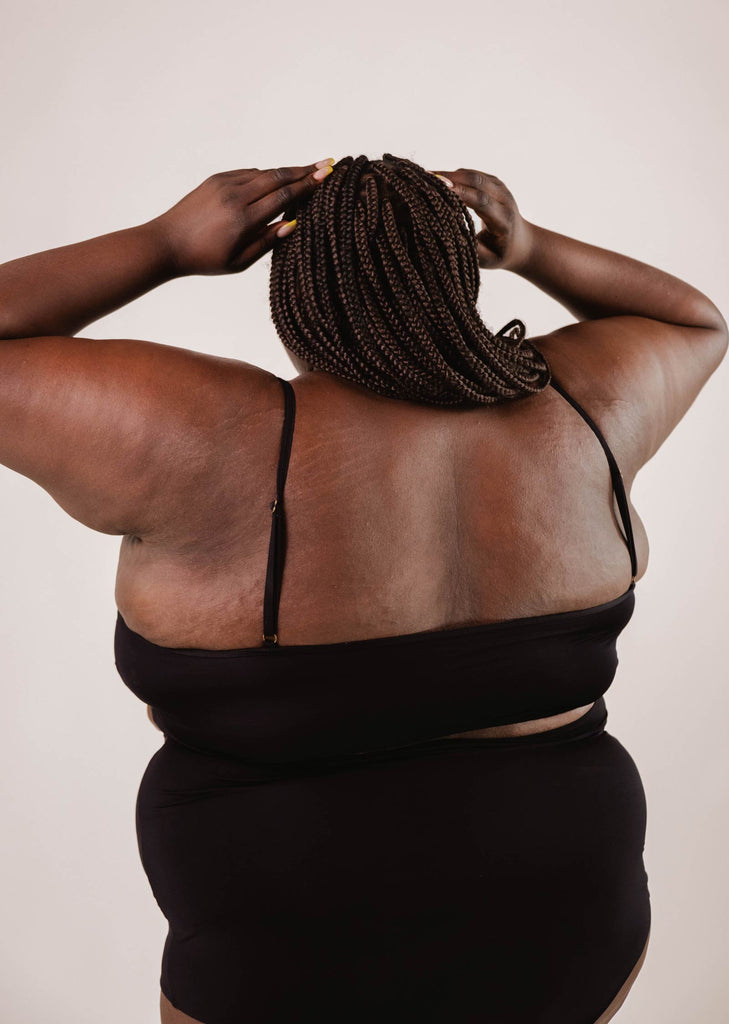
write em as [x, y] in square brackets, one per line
[277, 544]
[618, 486]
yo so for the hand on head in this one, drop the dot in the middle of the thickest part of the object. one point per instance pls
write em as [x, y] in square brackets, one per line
[504, 240]
[227, 222]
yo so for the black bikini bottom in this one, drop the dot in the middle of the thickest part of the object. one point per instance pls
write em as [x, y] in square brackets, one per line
[498, 881]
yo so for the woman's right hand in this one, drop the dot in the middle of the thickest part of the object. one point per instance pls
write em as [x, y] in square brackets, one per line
[505, 238]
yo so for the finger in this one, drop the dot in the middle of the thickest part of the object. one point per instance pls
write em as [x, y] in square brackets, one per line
[476, 198]
[468, 176]
[444, 179]
[277, 177]
[281, 198]
[244, 172]
[259, 246]
[481, 202]
[471, 196]
[446, 175]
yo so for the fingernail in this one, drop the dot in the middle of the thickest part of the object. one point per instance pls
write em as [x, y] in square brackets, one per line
[448, 181]
[322, 173]
[286, 228]
[323, 163]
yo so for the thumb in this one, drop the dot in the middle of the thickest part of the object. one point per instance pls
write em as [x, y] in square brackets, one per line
[487, 256]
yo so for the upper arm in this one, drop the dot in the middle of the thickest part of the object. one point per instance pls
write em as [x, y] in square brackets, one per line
[116, 431]
[644, 374]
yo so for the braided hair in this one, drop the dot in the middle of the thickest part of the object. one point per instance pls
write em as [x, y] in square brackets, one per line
[378, 285]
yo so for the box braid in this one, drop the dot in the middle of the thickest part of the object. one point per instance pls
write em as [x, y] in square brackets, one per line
[378, 285]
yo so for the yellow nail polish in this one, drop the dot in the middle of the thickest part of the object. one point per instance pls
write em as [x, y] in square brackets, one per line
[322, 173]
[286, 228]
[323, 163]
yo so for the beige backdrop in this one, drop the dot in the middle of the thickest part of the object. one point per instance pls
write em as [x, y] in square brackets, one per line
[608, 123]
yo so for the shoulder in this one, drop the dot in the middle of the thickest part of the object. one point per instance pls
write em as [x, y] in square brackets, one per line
[118, 431]
[636, 376]
[587, 372]
[203, 405]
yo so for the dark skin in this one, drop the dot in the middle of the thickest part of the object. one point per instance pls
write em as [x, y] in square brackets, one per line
[116, 432]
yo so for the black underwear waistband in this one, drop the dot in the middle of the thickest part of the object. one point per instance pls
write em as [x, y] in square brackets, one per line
[243, 771]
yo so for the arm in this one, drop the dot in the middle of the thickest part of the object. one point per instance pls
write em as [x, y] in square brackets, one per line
[593, 283]
[646, 342]
[119, 431]
[61, 291]
[218, 228]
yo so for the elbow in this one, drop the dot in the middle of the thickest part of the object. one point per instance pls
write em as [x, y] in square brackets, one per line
[715, 321]
[719, 341]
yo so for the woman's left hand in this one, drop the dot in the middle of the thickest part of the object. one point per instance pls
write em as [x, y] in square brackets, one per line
[223, 226]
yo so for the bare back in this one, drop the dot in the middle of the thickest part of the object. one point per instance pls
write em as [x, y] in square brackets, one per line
[403, 518]
[400, 518]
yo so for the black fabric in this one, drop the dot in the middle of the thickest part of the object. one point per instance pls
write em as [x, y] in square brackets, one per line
[277, 545]
[320, 851]
[288, 703]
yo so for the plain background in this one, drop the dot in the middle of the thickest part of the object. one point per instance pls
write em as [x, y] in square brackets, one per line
[608, 124]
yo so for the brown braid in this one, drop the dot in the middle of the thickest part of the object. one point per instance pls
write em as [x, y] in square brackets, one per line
[378, 285]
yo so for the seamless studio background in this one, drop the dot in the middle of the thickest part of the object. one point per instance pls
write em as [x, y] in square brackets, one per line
[606, 122]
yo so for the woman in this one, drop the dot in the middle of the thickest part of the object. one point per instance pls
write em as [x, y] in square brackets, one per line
[374, 619]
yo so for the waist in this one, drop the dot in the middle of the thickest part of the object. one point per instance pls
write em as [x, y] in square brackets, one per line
[529, 728]
[590, 724]
[295, 705]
